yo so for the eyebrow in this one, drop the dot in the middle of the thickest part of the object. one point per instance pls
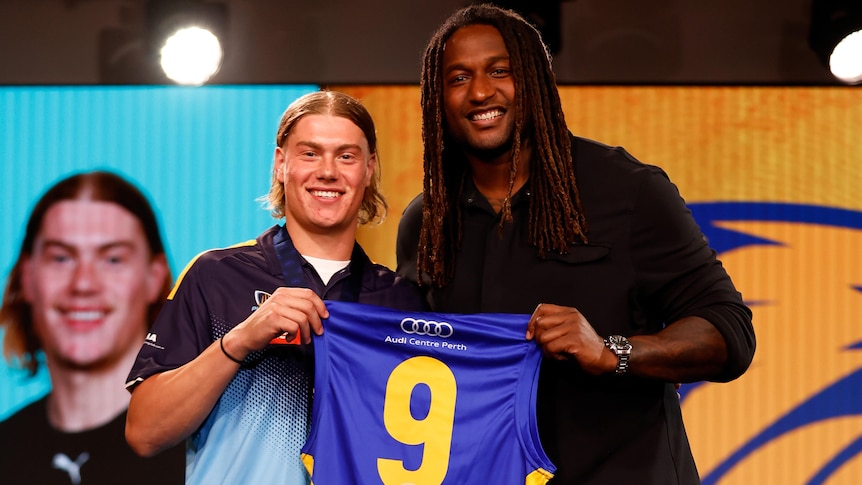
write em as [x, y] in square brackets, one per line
[489, 60]
[318, 146]
[56, 243]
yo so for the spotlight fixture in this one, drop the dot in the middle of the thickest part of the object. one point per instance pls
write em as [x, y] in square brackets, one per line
[836, 37]
[187, 37]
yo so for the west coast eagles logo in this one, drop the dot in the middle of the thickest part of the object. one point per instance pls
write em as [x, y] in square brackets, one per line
[796, 416]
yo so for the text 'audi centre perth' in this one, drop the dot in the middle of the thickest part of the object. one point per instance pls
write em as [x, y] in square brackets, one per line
[415, 327]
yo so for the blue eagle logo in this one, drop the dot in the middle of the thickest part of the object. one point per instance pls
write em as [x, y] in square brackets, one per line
[796, 415]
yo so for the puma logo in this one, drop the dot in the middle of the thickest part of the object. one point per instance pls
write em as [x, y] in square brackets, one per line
[73, 468]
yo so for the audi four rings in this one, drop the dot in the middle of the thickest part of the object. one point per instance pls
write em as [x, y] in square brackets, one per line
[425, 327]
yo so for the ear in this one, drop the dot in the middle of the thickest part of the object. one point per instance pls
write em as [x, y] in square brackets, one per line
[279, 164]
[157, 272]
[26, 273]
[370, 166]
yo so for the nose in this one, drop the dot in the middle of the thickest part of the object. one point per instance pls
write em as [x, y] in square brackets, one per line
[481, 88]
[85, 277]
[328, 168]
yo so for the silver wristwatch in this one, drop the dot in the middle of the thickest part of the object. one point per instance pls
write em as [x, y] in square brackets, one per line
[620, 346]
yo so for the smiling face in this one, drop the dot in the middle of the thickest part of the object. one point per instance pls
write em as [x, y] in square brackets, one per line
[479, 91]
[325, 167]
[89, 282]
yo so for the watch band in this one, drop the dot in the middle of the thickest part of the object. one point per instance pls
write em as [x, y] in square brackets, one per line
[620, 346]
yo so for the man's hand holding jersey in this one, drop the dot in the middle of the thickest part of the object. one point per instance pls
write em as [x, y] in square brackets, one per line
[288, 313]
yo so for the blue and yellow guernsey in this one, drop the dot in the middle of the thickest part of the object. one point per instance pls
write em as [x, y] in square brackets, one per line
[255, 431]
[424, 398]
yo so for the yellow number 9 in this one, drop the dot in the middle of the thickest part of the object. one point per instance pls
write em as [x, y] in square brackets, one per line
[435, 430]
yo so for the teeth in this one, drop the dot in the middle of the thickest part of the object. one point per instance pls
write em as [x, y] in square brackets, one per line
[88, 315]
[487, 115]
[330, 194]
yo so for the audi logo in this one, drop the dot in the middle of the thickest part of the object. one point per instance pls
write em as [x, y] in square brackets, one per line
[424, 327]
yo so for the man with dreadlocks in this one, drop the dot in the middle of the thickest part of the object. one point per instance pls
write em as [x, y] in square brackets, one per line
[517, 215]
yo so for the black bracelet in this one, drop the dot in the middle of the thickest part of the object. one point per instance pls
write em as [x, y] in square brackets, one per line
[221, 344]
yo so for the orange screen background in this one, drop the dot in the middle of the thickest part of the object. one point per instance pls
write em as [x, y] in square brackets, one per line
[723, 144]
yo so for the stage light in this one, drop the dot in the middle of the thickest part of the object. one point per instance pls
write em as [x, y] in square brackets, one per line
[187, 37]
[836, 37]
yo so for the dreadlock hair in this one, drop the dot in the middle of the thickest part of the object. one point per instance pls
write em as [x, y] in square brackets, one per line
[556, 219]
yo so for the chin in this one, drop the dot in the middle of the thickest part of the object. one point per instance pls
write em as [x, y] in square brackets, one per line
[490, 150]
[83, 363]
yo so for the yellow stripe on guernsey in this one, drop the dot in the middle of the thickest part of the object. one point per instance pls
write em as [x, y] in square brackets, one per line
[539, 477]
[182, 275]
[308, 461]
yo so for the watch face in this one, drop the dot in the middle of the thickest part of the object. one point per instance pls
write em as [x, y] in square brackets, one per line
[619, 343]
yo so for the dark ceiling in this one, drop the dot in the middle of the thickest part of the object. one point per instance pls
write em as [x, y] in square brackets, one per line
[380, 41]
